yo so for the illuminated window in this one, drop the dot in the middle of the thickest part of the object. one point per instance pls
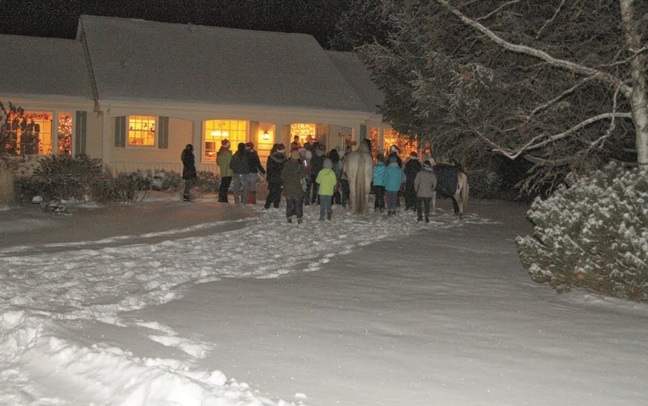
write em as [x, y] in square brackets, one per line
[217, 130]
[64, 134]
[392, 137]
[28, 133]
[374, 137]
[141, 131]
[303, 130]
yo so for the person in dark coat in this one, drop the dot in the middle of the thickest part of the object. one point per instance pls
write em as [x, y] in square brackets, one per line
[334, 156]
[240, 167]
[254, 163]
[317, 163]
[223, 159]
[293, 177]
[189, 173]
[411, 168]
[274, 166]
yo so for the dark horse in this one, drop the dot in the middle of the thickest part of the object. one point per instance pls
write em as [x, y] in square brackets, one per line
[451, 181]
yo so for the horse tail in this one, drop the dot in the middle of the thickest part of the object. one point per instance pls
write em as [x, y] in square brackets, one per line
[360, 187]
[464, 192]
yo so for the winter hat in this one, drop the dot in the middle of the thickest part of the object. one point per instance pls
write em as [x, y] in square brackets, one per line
[295, 155]
[281, 147]
[427, 163]
[328, 163]
[249, 145]
[225, 143]
[395, 149]
[413, 154]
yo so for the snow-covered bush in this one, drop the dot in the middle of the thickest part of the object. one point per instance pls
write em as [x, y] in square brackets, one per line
[132, 186]
[592, 234]
[63, 177]
[208, 182]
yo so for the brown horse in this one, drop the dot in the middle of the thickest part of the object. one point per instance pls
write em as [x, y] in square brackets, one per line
[358, 167]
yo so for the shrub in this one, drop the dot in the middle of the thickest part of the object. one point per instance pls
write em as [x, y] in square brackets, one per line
[592, 234]
[208, 182]
[6, 185]
[132, 186]
[62, 177]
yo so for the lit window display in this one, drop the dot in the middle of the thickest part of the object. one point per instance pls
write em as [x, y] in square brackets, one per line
[235, 131]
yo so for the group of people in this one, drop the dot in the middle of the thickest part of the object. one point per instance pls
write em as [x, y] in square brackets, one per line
[415, 179]
[308, 175]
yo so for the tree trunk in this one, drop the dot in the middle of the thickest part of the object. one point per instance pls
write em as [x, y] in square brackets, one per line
[638, 65]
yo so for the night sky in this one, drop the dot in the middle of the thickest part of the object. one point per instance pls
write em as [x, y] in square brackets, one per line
[59, 18]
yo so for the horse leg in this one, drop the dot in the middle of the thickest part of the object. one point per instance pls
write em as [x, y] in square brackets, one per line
[458, 204]
[434, 202]
[455, 204]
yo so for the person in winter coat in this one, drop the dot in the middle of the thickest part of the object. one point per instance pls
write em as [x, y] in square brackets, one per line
[274, 166]
[393, 153]
[411, 168]
[424, 184]
[316, 165]
[334, 156]
[223, 159]
[189, 173]
[326, 180]
[293, 177]
[240, 168]
[255, 167]
[393, 180]
[379, 183]
[306, 156]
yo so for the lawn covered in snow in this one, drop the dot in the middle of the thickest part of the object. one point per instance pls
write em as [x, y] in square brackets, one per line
[358, 311]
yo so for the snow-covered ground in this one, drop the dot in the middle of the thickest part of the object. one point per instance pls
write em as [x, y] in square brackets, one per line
[250, 310]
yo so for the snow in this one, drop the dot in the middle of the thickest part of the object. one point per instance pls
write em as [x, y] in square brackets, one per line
[171, 303]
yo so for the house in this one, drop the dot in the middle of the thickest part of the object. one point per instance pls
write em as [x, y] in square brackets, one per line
[135, 92]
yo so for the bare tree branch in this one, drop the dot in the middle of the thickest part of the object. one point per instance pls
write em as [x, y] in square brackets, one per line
[546, 24]
[537, 53]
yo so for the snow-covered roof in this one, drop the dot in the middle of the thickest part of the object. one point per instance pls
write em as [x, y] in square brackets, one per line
[161, 62]
[358, 76]
[43, 67]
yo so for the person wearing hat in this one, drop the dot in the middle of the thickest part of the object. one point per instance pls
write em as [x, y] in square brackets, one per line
[223, 159]
[394, 151]
[326, 180]
[274, 166]
[411, 168]
[393, 180]
[254, 163]
[293, 176]
[240, 168]
[189, 173]
[424, 184]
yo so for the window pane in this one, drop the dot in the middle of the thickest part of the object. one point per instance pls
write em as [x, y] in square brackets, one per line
[64, 134]
[29, 133]
[303, 130]
[217, 130]
[141, 131]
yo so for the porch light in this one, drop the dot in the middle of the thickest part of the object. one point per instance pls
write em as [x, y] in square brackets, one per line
[266, 135]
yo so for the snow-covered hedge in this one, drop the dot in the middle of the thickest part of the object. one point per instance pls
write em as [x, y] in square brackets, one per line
[592, 234]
